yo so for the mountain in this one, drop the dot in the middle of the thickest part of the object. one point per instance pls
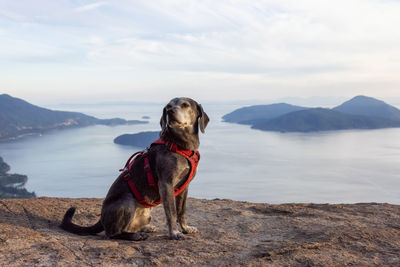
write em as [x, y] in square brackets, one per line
[368, 106]
[360, 112]
[320, 119]
[19, 118]
[248, 115]
[142, 139]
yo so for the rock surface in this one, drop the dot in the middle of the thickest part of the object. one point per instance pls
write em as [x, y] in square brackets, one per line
[230, 233]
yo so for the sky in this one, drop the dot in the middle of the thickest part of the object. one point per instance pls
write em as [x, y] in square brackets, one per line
[82, 51]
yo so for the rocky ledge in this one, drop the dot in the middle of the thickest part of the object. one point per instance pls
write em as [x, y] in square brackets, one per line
[231, 234]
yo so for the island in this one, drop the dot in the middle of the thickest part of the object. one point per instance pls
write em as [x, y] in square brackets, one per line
[19, 118]
[11, 185]
[141, 139]
[251, 114]
[360, 112]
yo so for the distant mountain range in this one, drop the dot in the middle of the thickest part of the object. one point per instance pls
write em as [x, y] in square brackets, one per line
[360, 112]
[248, 115]
[368, 106]
[19, 118]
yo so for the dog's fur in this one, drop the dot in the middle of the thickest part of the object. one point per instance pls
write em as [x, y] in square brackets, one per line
[122, 217]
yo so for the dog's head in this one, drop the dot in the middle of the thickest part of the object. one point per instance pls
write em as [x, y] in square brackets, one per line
[182, 118]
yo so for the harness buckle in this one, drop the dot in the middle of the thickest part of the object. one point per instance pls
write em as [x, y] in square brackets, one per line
[127, 176]
[195, 156]
[124, 169]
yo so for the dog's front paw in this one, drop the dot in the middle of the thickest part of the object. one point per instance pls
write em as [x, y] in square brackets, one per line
[176, 235]
[190, 230]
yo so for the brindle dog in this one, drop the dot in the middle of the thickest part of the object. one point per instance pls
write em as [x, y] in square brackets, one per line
[122, 217]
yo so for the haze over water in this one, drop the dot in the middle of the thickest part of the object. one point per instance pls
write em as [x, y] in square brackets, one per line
[236, 162]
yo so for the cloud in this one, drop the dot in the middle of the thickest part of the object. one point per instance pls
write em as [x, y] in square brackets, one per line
[11, 15]
[292, 46]
[257, 36]
[91, 6]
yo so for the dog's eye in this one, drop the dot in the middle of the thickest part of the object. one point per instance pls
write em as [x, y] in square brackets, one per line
[185, 105]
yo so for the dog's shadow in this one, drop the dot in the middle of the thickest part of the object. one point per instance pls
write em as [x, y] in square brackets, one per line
[34, 222]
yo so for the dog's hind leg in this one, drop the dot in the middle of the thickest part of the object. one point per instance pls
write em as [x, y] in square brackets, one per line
[136, 225]
[146, 218]
[130, 236]
[149, 229]
[141, 221]
[117, 217]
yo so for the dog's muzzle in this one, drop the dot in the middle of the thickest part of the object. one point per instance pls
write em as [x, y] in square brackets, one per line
[175, 118]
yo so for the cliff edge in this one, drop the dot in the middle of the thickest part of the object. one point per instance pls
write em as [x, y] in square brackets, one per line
[231, 233]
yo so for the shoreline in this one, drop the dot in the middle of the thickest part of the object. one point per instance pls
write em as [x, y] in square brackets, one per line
[12, 185]
[40, 132]
[230, 233]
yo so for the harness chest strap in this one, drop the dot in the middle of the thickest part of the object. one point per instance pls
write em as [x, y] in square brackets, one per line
[192, 156]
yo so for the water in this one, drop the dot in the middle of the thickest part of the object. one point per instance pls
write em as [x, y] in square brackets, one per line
[236, 162]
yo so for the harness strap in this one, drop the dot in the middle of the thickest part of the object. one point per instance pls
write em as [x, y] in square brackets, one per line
[150, 178]
[192, 156]
[127, 164]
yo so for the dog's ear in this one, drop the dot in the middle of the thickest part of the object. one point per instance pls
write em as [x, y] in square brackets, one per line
[203, 118]
[163, 120]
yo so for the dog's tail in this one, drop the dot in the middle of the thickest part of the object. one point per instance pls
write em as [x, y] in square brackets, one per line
[69, 226]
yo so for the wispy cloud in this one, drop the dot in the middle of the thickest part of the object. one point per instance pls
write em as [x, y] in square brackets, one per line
[90, 6]
[308, 47]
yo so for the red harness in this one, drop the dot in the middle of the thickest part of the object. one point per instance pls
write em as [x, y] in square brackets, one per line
[192, 156]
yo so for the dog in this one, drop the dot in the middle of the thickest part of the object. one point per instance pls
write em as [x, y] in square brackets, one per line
[122, 215]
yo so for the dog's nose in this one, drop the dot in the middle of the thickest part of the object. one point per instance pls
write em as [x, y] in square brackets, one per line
[173, 110]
